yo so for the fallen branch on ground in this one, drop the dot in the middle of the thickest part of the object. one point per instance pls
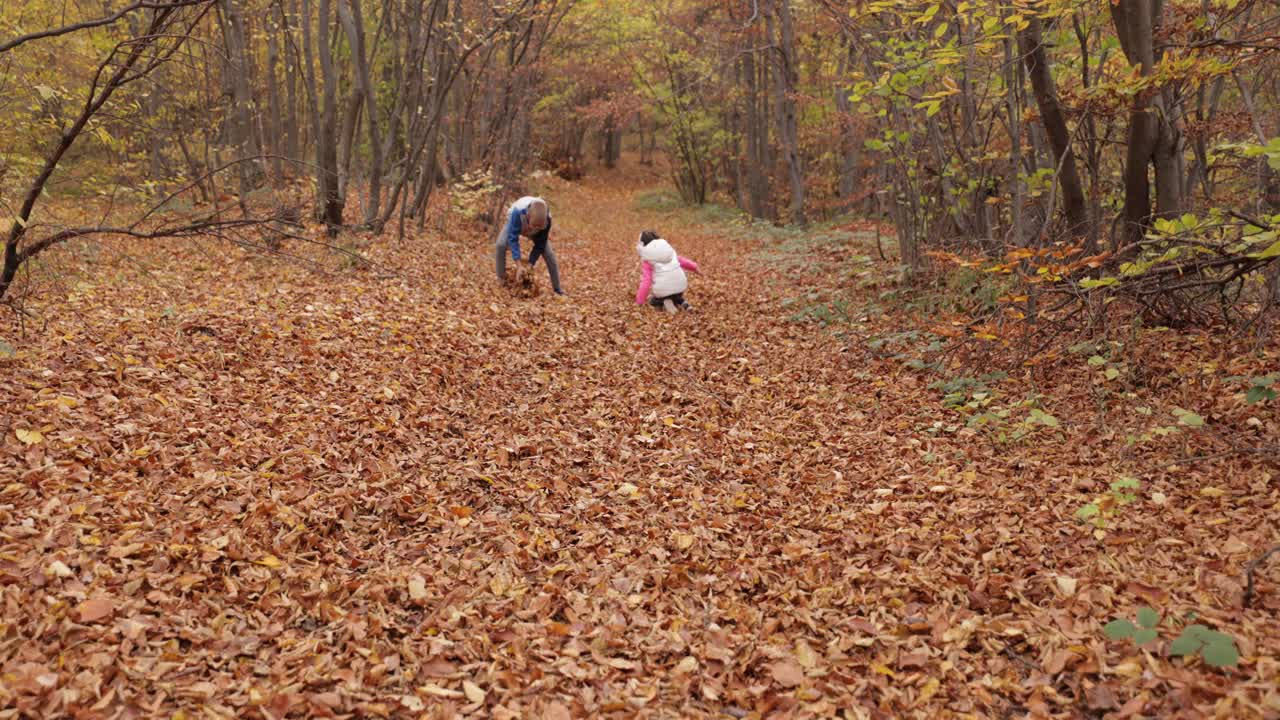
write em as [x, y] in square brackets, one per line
[1248, 574]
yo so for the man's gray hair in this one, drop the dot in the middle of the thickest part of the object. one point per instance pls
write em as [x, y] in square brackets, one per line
[538, 209]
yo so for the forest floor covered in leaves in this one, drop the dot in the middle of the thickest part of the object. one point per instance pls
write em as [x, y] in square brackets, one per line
[231, 485]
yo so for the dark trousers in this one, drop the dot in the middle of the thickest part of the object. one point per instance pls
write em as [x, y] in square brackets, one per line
[540, 244]
[678, 299]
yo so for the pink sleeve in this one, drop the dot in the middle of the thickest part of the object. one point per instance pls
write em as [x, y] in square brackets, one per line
[688, 264]
[646, 282]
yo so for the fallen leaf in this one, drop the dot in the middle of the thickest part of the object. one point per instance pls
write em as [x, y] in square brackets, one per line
[473, 692]
[787, 673]
[437, 691]
[556, 711]
[1066, 585]
[1234, 546]
[30, 437]
[805, 655]
[439, 667]
[95, 609]
[929, 690]
[1101, 697]
[417, 588]
[883, 670]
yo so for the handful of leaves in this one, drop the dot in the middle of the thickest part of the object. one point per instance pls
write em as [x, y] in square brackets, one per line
[521, 281]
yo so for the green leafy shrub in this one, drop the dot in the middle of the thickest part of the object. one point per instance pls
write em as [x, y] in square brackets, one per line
[1217, 649]
[1258, 389]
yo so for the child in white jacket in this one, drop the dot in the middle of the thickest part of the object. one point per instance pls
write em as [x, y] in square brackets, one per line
[662, 279]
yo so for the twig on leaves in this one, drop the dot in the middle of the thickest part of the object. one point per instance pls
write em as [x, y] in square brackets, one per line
[1269, 454]
[1248, 574]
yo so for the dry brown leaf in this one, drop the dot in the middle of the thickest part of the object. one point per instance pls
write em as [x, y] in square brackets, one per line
[439, 667]
[556, 711]
[787, 673]
[95, 609]
[805, 655]
[30, 437]
[473, 692]
[417, 588]
[441, 692]
[1066, 585]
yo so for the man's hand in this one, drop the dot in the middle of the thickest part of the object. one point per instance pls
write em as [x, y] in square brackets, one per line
[522, 268]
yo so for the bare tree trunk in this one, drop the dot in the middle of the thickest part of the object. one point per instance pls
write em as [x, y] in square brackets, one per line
[1014, 110]
[353, 23]
[292, 72]
[610, 143]
[968, 141]
[1169, 155]
[240, 134]
[1154, 137]
[1093, 148]
[784, 91]
[757, 140]
[326, 141]
[351, 117]
[1132, 20]
[646, 142]
[1031, 43]
[275, 125]
[849, 150]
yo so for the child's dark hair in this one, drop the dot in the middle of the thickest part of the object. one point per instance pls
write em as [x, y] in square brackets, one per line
[648, 236]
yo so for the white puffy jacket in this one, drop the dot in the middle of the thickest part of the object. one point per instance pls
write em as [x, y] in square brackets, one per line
[668, 276]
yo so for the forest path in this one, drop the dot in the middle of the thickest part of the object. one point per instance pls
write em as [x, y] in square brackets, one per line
[261, 490]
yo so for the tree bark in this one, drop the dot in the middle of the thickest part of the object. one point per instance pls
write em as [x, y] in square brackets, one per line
[1154, 136]
[353, 113]
[331, 199]
[1014, 109]
[1031, 44]
[292, 129]
[239, 135]
[353, 23]
[784, 97]
[849, 140]
[757, 140]
[275, 127]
